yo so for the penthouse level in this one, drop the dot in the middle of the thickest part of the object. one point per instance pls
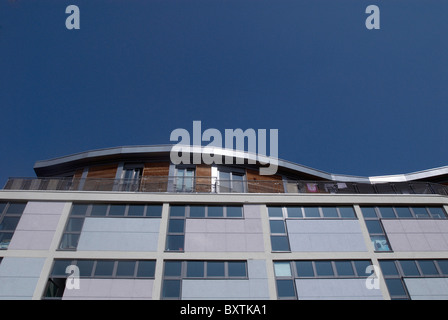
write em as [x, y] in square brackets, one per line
[149, 169]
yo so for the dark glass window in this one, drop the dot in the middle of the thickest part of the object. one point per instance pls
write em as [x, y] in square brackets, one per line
[312, 212]
[85, 267]
[324, 268]
[16, 208]
[277, 226]
[177, 211]
[428, 267]
[146, 269]
[295, 212]
[176, 225]
[403, 212]
[395, 287]
[215, 211]
[361, 266]
[154, 210]
[420, 212]
[443, 265]
[126, 268]
[330, 212]
[374, 226]
[171, 289]
[409, 268]
[195, 269]
[136, 210]
[197, 211]
[215, 269]
[99, 209]
[387, 212]
[275, 212]
[280, 243]
[369, 212]
[173, 268]
[344, 268]
[117, 209]
[104, 268]
[234, 211]
[237, 269]
[175, 242]
[304, 268]
[285, 288]
[388, 268]
[347, 212]
[79, 209]
[59, 267]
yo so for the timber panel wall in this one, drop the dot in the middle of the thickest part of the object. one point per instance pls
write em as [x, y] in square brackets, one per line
[203, 178]
[155, 177]
[257, 183]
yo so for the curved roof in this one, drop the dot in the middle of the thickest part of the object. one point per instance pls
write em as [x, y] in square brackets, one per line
[136, 153]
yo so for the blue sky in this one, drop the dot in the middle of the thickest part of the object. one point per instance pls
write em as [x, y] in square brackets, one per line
[345, 99]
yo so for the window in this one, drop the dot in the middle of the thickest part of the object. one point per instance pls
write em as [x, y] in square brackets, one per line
[231, 180]
[184, 179]
[93, 269]
[286, 272]
[80, 211]
[175, 271]
[395, 271]
[10, 213]
[131, 177]
[375, 227]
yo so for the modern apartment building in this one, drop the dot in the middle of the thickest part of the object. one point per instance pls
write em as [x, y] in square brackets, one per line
[127, 223]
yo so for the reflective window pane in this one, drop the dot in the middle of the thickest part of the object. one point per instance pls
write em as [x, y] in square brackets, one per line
[311, 212]
[388, 268]
[344, 268]
[175, 243]
[437, 212]
[279, 243]
[195, 269]
[9, 223]
[136, 210]
[74, 224]
[85, 267]
[361, 267]
[237, 269]
[197, 211]
[403, 212]
[60, 266]
[330, 212]
[409, 268]
[387, 212]
[324, 268]
[275, 211]
[104, 268]
[177, 211]
[304, 269]
[176, 225]
[428, 267]
[154, 210]
[79, 209]
[234, 211]
[215, 211]
[173, 268]
[126, 268]
[146, 268]
[368, 212]
[443, 265]
[171, 289]
[16, 208]
[347, 212]
[99, 210]
[285, 288]
[215, 269]
[380, 243]
[420, 212]
[277, 226]
[282, 269]
[117, 209]
[395, 287]
[295, 212]
[374, 226]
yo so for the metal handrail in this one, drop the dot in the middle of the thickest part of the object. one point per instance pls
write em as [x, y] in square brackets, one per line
[207, 184]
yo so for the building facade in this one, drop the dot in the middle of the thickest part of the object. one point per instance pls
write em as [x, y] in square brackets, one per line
[127, 223]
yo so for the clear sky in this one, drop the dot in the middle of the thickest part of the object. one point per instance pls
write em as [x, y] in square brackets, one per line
[345, 99]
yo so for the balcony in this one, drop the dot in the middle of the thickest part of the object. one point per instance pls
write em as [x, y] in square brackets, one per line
[213, 185]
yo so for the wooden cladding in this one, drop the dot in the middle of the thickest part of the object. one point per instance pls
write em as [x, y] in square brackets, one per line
[257, 183]
[159, 169]
[203, 178]
[103, 172]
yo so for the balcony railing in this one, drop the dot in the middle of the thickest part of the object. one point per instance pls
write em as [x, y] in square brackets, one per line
[213, 185]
